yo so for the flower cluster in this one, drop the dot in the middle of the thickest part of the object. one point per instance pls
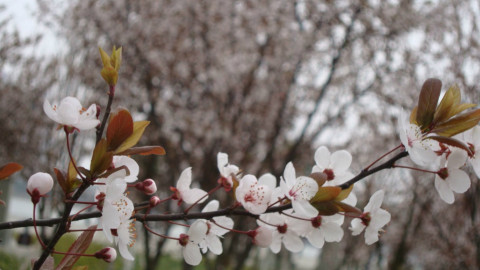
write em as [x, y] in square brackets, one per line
[259, 196]
[443, 138]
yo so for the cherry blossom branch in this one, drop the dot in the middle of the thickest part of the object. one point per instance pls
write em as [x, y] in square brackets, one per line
[389, 164]
[207, 215]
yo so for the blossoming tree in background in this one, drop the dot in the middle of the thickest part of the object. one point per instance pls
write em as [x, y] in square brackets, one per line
[440, 137]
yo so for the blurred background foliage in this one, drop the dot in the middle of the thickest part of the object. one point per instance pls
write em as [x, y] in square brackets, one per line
[266, 82]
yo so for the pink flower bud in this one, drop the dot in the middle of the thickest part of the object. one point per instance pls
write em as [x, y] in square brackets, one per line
[261, 236]
[38, 185]
[148, 186]
[107, 254]
[154, 201]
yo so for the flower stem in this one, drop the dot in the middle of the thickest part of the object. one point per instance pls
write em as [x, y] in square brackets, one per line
[35, 227]
[414, 169]
[229, 229]
[195, 203]
[381, 157]
[71, 156]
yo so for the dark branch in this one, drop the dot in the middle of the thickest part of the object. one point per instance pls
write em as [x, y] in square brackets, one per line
[387, 165]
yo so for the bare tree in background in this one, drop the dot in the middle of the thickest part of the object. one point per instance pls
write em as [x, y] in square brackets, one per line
[267, 82]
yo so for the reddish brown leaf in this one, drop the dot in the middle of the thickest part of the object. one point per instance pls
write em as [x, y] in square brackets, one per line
[343, 207]
[61, 180]
[9, 169]
[452, 142]
[101, 159]
[427, 102]
[114, 170]
[79, 246]
[144, 151]
[120, 127]
[458, 124]
[326, 208]
[132, 140]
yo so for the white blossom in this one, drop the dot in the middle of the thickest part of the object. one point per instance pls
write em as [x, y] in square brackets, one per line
[372, 220]
[214, 233]
[71, 113]
[191, 240]
[227, 171]
[299, 191]
[255, 195]
[450, 178]
[184, 193]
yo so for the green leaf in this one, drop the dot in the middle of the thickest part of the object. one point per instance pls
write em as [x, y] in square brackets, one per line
[452, 142]
[326, 194]
[78, 247]
[101, 159]
[120, 127]
[9, 169]
[458, 124]
[144, 151]
[344, 194]
[427, 102]
[132, 140]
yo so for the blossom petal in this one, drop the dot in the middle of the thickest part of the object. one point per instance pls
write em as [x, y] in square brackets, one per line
[197, 231]
[305, 187]
[131, 164]
[371, 235]
[357, 226]
[458, 180]
[456, 159]
[69, 110]
[223, 221]
[52, 114]
[316, 238]
[380, 219]
[276, 244]
[333, 232]
[444, 190]
[268, 180]
[375, 201]
[304, 207]
[292, 242]
[87, 124]
[340, 161]
[289, 174]
[214, 244]
[190, 196]
[211, 206]
[125, 252]
[191, 254]
[185, 179]
[222, 161]
[322, 158]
